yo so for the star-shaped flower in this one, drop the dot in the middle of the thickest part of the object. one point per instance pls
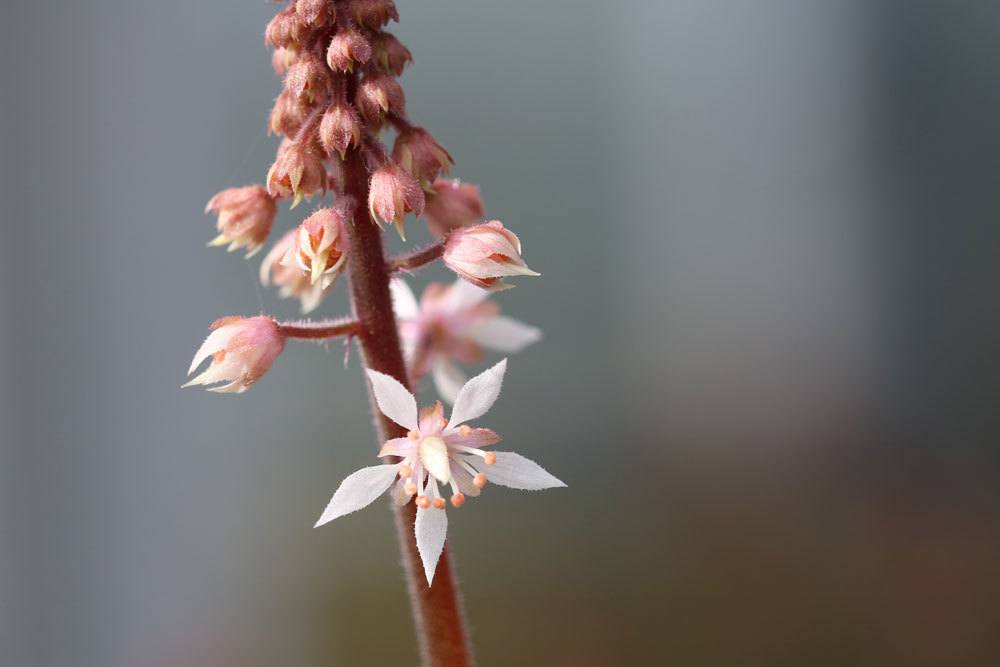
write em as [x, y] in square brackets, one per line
[436, 452]
[453, 323]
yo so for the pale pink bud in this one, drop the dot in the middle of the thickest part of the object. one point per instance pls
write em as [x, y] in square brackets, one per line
[286, 29]
[287, 115]
[346, 48]
[291, 281]
[379, 94]
[392, 193]
[417, 152]
[242, 350]
[390, 53]
[245, 217]
[453, 204]
[315, 12]
[485, 254]
[307, 78]
[282, 58]
[320, 246]
[374, 13]
[340, 129]
[298, 170]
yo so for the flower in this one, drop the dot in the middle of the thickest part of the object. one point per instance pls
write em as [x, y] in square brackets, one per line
[392, 193]
[379, 94]
[315, 12]
[245, 217]
[286, 29]
[319, 249]
[453, 323]
[484, 254]
[242, 349]
[391, 54]
[453, 204]
[290, 280]
[374, 13]
[437, 451]
[346, 48]
[298, 170]
[419, 153]
[340, 129]
[306, 78]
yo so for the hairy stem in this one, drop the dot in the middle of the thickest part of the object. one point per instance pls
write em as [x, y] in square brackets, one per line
[414, 260]
[437, 610]
[319, 330]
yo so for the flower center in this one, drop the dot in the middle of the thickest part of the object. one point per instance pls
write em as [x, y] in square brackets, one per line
[434, 455]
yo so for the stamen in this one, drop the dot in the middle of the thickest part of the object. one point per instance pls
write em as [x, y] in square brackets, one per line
[439, 503]
[458, 500]
[489, 458]
[465, 430]
[405, 471]
[409, 488]
[478, 452]
[423, 502]
[479, 481]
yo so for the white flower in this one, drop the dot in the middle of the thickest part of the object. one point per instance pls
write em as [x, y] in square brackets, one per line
[453, 323]
[437, 452]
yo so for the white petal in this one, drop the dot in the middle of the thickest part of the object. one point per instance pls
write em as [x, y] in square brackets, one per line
[505, 334]
[404, 303]
[359, 490]
[215, 341]
[464, 294]
[517, 472]
[448, 379]
[394, 400]
[399, 495]
[430, 527]
[477, 396]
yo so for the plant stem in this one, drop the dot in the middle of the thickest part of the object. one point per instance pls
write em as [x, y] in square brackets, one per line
[437, 610]
[319, 330]
[414, 260]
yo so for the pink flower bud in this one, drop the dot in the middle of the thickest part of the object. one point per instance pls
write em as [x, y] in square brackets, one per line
[242, 350]
[346, 48]
[282, 58]
[390, 53]
[245, 217]
[307, 78]
[320, 246]
[287, 115]
[340, 129]
[379, 94]
[452, 205]
[315, 12]
[290, 280]
[484, 254]
[298, 170]
[417, 152]
[374, 13]
[392, 193]
[286, 29]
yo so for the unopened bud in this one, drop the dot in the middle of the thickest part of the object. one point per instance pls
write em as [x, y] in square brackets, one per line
[419, 153]
[484, 254]
[393, 193]
[346, 48]
[453, 204]
[245, 216]
[379, 94]
[340, 129]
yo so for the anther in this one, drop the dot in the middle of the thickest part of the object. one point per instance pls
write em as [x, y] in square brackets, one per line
[458, 500]
[479, 481]
[409, 488]
[465, 430]
[490, 458]
[406, 471]
[439, 503]
[423, 502]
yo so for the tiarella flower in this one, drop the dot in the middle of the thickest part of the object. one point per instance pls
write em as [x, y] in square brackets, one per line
[346, 48]
[453, 204]
[319, 248]
[485, 254]
[437, 452]
[287, 114]
[298, 170]
[245, 217]
[307, 77]
[242, 349]
[390, 53]
[282, 59]
[377, 95]
[315, 12]
[374, 13]
[392, 193]
[453, 323]
[285, 29]
[291, 281]
[417, 152]
[340, 129]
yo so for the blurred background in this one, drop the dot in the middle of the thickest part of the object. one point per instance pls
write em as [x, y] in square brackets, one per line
[768, 238]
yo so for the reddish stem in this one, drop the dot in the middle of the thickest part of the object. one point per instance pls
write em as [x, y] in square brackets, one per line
[414, 260]
[437, 610]
[319, 330]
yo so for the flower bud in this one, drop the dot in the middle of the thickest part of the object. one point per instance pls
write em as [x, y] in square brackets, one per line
[346, 48]
[286, 29]
[320, 246]
[392, 193]
[291, 281]
[282, 58]
[307, 78]
[374, 13]
[484, 254]
[340, 129]
[377, 95]
[390, 53]
[417, 152]
[298, 170]
[453, 204]
[242, 350]
[315, 12]
[245, 217]
[287, 114]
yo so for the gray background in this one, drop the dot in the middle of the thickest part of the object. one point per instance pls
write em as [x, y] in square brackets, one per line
[767, 233]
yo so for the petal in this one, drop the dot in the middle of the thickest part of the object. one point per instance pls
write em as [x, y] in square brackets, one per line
[359, 490]
[464, 480]
[477, 396]
[517, 472]
[464, 295]
[448, 379]
[477, 437]
[403, 300]
[394, 400]
[505, 334]
[401, 447]
[399, 495]
[430, 527]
